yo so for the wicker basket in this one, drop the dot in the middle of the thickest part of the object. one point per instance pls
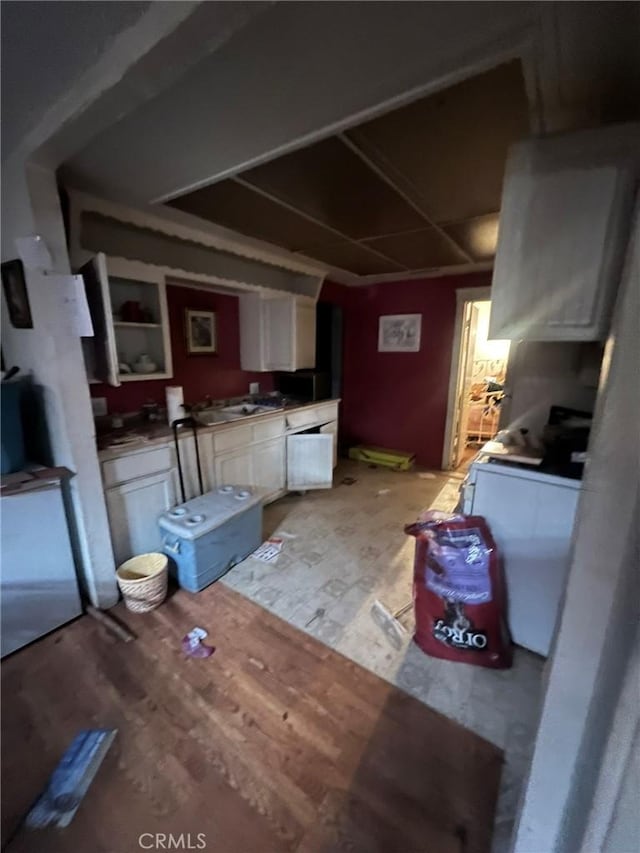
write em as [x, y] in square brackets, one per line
[143, 582]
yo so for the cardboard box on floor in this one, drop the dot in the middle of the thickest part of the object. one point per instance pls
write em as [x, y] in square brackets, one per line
[397, 459]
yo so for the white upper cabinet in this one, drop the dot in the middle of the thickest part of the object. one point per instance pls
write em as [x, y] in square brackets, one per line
[128, 306]
[253, 340]
[564, 223]
[304, 336]
[277, 333]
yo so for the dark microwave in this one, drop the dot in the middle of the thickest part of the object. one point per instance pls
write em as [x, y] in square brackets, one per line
[304, 385]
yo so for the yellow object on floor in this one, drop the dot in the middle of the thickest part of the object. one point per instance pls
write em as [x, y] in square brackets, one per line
[399, 460]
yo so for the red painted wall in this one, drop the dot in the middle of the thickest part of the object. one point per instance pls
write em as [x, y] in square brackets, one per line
[398, 400]
[217, 375]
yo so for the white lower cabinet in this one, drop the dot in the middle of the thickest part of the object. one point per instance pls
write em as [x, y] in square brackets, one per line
[134, 508]
[190, 468]
[235, 467]
[269, 465]
[141, 484]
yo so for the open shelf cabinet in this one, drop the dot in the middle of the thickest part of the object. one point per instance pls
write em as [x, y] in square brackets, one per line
[117, 288]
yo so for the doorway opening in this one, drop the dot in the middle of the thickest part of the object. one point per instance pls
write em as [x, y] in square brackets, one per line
[478, 373]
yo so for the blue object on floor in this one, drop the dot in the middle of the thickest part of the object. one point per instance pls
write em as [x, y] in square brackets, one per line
[70, 780]
[207, 536]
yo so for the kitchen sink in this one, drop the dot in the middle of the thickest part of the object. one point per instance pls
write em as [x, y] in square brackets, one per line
[208, 417]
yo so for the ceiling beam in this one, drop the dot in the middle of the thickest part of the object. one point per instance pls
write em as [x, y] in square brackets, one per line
[380, 165]
[339, 234]
[426, 272]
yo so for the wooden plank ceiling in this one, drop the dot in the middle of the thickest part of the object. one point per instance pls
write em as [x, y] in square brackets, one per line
[416, 189]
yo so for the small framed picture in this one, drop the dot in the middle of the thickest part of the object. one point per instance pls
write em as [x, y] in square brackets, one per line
[399, 333]
[201, 332]
[15, 292]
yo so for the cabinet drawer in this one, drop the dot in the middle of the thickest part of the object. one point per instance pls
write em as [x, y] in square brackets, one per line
[303, 418]
[229, 439]
[320, 414]
[269, 428]
[132, 465]
[327, 412]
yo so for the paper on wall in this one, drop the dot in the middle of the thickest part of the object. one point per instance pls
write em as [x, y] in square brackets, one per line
[74, 298]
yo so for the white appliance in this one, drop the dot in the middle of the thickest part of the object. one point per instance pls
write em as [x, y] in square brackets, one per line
[531, 516]
[39, 587]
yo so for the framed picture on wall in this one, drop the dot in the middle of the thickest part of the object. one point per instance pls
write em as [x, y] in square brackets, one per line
[201, 332]
[15, 293]
[399, 333]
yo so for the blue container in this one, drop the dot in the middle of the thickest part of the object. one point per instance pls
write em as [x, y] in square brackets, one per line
[13, 456]
[207, 536]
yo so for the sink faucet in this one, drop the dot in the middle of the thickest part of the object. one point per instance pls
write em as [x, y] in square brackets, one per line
[207, 403]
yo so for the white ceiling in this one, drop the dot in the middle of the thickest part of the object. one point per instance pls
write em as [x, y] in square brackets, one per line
[225, 86]
[298, 71]
[46, 46]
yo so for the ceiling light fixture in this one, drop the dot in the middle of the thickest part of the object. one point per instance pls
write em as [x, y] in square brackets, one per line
[483, 237]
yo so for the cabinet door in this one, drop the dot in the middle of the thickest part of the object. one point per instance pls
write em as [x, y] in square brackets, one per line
[133, 514]
[39, 584]
[332, 430]
[279, 319]
[207, 461]
[269, 465]
[189, 464]
[252, 332]
[234, 468]
[563, 225]
[96, 283]
[309, 462]
[305, 335]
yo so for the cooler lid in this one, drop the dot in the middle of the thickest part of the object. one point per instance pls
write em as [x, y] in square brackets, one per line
[201, 515]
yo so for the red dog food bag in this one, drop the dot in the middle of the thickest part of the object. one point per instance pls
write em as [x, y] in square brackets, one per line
[458, 591]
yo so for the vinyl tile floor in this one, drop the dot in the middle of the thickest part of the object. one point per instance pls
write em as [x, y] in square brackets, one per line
[345, 548]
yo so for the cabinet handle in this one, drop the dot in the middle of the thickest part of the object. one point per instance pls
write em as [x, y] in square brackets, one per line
[467, 493]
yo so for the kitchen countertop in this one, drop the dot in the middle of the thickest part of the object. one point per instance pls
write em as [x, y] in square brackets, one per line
[524, 472]
[144, 435]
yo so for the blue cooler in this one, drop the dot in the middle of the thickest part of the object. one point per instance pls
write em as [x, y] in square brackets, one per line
[206, 536]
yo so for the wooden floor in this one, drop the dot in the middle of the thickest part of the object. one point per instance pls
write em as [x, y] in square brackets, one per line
[276, 743]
